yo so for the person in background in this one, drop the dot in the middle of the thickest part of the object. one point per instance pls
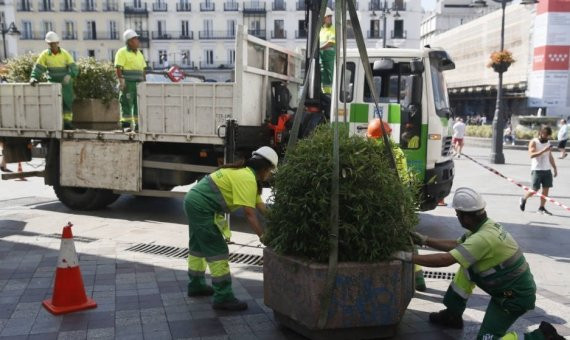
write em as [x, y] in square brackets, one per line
[562, 138]
[458, 135]
[59, 67]
[3, 165]
[542, 165]
[327, 52]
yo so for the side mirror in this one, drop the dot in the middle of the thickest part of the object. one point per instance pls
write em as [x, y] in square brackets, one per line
[413, 97]
[417, 66]
[383, 65]
[346, 96]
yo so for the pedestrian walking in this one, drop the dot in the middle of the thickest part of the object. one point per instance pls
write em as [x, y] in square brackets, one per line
[205, 205]
[541, 168]
[562, 138]
[59, 67]
[489, 258]
[130, 68]
[458, 136]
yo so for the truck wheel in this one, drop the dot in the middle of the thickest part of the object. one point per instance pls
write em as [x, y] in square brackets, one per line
[84, 198]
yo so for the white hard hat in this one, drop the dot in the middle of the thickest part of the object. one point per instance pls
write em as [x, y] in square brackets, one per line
[52, 37]
[468, 200]
[267, 153]
[129, 34]
[329, 12]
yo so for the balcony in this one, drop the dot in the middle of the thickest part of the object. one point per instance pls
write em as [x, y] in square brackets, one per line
[24, 6]
[207, 7]
[45, 6]
[113, 35]
[399, 6]
[375, 6]
[183, 7]
[29, 35]
[254, 7]
[279, 6]
[301, 34]
[216, 35]
[110, 6]
[67, 6]
[69, 36]
[89, 6]
[159, 7]
[280, 34]
[231, 6]
[216, 65]
[375, 35]
[136, 9]
[399, 34]
[172, 35]
[301, 5]
[261, 34]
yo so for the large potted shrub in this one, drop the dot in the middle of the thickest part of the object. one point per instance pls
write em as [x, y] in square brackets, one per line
[96, 96]
[376, 213]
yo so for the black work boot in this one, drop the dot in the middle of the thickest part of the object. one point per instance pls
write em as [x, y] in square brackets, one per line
[549, 331]
[232, 305]
[206, 291]
[446, 319]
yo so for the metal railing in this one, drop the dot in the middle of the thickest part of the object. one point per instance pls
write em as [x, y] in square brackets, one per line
[31, 35]
[231, 6]
[262, 34]
[254, 6]
[132, 8]
[110, 6]
[69, 36]
[216, 65]
[207, 7]
[281, 34]
[399, 34]
[183, 7]
[399, 6]
[67, 6]
[375, 35]
[159, 7]
[143, 36]
[111, 35]
[301, 34]
[376, 5]
[212, 35]
[89, 6]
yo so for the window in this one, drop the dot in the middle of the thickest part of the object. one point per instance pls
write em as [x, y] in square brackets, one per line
[26, 30]
[46, 27]
[231, 28]
[279, 29]
[91, 53]
[208, 26]
[398, 29]
[301, 30]
[209, 57]
[231, 57]
[137, 4]
[349, 94]
[374, 29]
[161, 27]
[67, 5]
[138, 26]
[45, 5]
[113, 30]
[162, 56]
[185, 57]
[69, 31]
[91, 32]
[185, 28]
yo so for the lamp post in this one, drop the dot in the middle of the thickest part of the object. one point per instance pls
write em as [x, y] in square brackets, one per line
[497, 156]
[385, 11]
[11, 30]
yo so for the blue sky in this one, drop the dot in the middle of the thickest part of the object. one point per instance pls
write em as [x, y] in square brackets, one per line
[428, 4]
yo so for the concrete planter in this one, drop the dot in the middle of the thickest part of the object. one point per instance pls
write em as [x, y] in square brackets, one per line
[368, 302]
[95, 115]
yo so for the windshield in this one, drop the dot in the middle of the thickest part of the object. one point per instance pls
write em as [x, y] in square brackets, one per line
[440, 98]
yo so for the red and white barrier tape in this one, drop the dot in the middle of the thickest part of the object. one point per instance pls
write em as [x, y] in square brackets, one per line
[517, 184]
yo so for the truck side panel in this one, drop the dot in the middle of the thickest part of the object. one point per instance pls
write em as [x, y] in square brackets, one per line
[101, 165]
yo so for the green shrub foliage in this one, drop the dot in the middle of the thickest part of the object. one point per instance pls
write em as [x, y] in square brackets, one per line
[376, 209]
[20, 68]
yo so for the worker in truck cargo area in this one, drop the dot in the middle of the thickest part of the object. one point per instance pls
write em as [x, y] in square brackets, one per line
[489, 258]
[59, 67]
[225, 190]
[327, 52]
[130, 68]
[375, 132]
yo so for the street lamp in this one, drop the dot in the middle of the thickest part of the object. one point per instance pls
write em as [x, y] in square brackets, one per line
[11, 30]
[385, 11]
[497, 156]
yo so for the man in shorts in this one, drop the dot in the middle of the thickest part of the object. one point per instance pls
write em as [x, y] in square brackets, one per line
[458, 135]
[542, 165]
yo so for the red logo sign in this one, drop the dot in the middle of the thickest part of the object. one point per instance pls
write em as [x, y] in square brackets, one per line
[545, 6]
[551, 58]
[175, 74]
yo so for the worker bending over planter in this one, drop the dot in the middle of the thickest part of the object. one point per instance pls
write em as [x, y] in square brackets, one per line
[224, 191]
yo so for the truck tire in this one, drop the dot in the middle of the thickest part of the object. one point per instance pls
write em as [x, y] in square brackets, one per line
[84, 198]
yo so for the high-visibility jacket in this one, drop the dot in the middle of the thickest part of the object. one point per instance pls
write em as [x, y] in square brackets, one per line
[327, 35]
[131, 63]
[55, 65]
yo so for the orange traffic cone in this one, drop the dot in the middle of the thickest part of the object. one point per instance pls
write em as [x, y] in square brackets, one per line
[22, 179]
[68, 291]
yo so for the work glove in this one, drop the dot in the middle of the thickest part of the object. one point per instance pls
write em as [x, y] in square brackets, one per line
[405, 256]
[419, 239]
[33, 81]
[121, 84]
[66, 79]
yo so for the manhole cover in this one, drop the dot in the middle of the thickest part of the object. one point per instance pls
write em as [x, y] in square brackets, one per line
[428, 274]
[177, 252]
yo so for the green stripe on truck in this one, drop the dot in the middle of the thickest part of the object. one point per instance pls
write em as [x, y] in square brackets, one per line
[359, 113]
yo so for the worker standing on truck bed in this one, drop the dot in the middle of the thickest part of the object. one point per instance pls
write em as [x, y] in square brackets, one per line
[223, 191]
[130, 67]
[375, 132]
[491, 259]
[327, 52]
[59, 67]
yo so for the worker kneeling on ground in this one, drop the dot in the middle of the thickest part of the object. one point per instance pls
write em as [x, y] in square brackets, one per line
[130, 67]
[59, 67]
[492, 260]
[223, 191]
[375, 132]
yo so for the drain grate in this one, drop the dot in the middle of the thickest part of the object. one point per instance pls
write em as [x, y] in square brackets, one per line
[75, 238]
[438, 275]
[177, 252]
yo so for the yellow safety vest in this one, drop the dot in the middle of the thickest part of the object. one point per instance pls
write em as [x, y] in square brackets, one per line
[131, 63]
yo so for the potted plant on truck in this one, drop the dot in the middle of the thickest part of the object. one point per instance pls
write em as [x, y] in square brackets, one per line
[377, 212]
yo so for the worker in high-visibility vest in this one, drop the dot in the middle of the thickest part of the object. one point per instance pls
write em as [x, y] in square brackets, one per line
[223, 191]
[130, 67]
[59, 67]
[489, 258]
[375, 132]
[327, 52]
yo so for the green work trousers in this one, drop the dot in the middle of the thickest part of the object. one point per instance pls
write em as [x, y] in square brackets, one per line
[67, 103]
[207, 246]
[327, 69]
[128, 102]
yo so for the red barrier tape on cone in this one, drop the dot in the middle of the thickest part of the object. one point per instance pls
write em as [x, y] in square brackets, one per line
[68, 291]
[551, 200]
